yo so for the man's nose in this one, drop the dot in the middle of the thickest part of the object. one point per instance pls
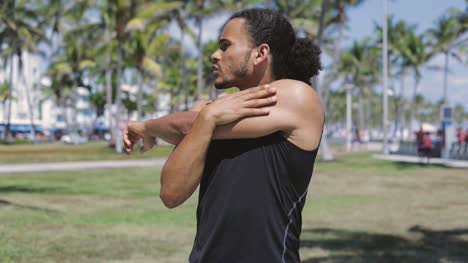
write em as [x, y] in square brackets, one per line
[215, 57]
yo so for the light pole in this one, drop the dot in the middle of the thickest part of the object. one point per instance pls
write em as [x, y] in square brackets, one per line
[385, 81]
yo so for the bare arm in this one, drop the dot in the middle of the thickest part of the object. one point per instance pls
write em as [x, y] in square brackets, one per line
[182, 172]
[171, 128]
[297, 112]
[179, 179]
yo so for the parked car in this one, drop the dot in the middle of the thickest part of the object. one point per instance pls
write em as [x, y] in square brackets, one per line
[74, 138]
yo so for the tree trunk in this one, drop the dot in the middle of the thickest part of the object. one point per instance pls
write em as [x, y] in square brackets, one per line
[172, 102]
[8, 137]
[109, 103]
[66, 116]
[183, 67]
[399, 107]
[360, 110]
[30, 106]
[156, 91]
[117, 131]
[140, 96]
[446, 77]
[414, 108]
[200, 59]
[109, 89]
[325, 151]
[349, 119]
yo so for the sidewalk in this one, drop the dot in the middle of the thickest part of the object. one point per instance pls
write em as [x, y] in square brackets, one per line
[415, 159]
[76, 166]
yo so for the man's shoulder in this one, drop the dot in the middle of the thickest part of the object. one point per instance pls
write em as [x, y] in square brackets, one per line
[305, 111]
[296, 89]
[298, 93]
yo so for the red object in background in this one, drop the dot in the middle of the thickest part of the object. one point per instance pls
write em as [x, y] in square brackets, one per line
[461, 136]
[419, 137]
[426, 141]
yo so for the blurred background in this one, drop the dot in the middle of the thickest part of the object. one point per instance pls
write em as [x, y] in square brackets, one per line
[75, 71]
[391, 182]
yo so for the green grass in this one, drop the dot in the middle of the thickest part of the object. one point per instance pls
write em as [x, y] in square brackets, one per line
[358, 210]
[91, 216]
[58, 152]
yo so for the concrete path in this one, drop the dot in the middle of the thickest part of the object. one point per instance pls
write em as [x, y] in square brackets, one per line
[82, 165]
[415, 159]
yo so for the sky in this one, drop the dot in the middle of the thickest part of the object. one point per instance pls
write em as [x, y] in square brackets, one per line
[423, 13]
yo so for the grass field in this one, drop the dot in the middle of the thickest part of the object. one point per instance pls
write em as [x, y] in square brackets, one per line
[59, 152]
[358, 210]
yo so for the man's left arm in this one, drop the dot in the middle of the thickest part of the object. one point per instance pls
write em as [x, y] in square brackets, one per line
[298, 113]
[182, 172]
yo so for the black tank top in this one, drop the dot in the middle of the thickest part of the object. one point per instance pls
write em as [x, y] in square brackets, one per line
[250, 201]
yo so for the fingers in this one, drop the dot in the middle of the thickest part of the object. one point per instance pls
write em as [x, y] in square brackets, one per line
[254, 112]
[125, 137]
[126, 142]
[129, 139]
[256, 103]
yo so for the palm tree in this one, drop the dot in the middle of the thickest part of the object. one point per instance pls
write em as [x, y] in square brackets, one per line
[70, 65]
[304, 16]
[4, 93]
[447, 38]
[415, 53]
[147, 42]
[115, 16]
[202, 11]
[359, 66]
[396, 33]
[20, 33]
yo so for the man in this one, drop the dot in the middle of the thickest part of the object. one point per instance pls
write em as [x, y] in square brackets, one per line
[251, 152]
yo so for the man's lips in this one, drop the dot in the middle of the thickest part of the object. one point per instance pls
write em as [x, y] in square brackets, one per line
[214, 68]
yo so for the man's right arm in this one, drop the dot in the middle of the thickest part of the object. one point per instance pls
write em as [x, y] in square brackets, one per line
[171, 128]
[298, 109]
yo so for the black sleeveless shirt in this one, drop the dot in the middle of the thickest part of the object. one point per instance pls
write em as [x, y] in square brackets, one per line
[250, 201]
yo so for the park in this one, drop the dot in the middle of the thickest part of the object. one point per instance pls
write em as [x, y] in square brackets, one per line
[390, 182]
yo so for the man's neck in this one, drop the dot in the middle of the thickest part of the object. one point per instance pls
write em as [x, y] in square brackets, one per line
[257, 81]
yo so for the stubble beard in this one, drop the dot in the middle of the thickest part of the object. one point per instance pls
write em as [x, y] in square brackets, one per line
[239, 72]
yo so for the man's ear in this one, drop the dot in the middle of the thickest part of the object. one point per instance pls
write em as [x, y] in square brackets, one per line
[263, 51]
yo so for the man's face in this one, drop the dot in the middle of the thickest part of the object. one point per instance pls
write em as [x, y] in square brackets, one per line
[232, 62]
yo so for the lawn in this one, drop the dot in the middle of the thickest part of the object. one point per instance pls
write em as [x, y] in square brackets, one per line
[59, 152]
[358, 210]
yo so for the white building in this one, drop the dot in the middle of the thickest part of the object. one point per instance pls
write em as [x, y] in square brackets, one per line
[34, 105]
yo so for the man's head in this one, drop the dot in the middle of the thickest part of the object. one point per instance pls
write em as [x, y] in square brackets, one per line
[257, 44]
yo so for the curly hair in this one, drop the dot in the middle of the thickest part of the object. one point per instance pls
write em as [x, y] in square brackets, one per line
[293, 58]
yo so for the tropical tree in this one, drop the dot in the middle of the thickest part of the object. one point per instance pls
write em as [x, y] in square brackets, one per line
[20, 32]
[415, 53]
[360, 67]
[147, 42]
[4, 94]
[447, 37]
[320, 20]
[396, 33]
[70, 66]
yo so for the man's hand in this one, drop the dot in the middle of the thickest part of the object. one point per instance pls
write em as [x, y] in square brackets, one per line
[250, 102]
[134, 132]
[199, 105]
